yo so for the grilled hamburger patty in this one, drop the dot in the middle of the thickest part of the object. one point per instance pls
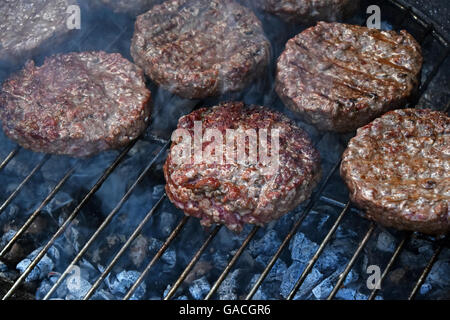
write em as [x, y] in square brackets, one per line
[397, 168]
[339, 77]
[306, 11]
[234, 193]
[200, 48]
[26, 25]
[75, 104]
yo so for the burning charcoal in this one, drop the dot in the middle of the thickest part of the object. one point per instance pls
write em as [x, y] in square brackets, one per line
[40, 271]
[7, 237]
[138, 250]
[53, 253]
[60, 200]
[102, 295]
[123, 282]
[228, 240]
[9, 215]
[278, 271]
[167, 223]
[264, 248]
[352, 276]
[311, 280]
[3, 267]
[349, 294]
[425, 288]
[199, 288]
[302, 249]
[158, 190]
[259, 294]
[290, 277]
[220, 260]
[324, 288]
[439, 273]
[77, 287]
[227, 290]
[182, 298]
[166, 291]
[328, 260]
[385, 242]
[201, 268]
[87, 269]
[43, 288]
[344, 232]
[169, 256]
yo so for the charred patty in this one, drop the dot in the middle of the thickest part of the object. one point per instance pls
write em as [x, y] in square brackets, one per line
[200, 48]
[339, 77]
[397, 169]
[75, 104]
[234, 192]
[26, 26]
[306, 11]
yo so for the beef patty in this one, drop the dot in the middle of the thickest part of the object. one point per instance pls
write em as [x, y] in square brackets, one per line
[340, 77]
[75, 104]
[200, 48]
[238, 192]
[397, 169]
[306, 11]
[27, 25]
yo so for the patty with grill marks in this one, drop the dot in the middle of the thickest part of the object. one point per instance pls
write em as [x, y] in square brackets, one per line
[397, 169]
[234, 192]
[75, 104]
[27, 26]
[339, 77]
[306, 11]
[200, 48]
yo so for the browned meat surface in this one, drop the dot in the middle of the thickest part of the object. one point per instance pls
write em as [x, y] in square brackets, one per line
[397, 168]
[235, 193]
[339, 77]
[200, 48]
[75, 104]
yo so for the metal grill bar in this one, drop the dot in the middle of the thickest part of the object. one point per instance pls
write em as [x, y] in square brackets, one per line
[425, 272]
[9, 157]
[318, 253]
[291, 233]
[192, 263]
[231, 263]
[66, 223]
[106, 221]
[20, 186]
[160, 252]
[394, 257]
[35, 214]
[122, 250]
[350, 264]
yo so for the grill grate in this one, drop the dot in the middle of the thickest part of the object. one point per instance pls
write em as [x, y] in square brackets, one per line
[426, 31]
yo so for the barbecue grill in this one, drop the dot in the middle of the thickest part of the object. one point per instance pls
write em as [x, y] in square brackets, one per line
[121, 192]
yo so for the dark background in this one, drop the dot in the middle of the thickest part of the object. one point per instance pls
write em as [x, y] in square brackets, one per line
[437, 10]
